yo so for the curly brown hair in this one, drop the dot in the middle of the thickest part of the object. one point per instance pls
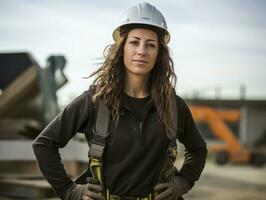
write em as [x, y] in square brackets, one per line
[108, 84]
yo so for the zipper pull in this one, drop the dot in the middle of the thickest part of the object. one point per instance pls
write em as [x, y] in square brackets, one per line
[140, 131]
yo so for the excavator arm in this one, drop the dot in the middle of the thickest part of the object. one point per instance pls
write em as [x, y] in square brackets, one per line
[231, 147]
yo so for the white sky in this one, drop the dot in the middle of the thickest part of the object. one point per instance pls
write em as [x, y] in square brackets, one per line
[213, 42]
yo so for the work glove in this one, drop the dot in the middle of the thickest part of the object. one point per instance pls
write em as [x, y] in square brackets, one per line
[172, 190]
[93, 190]
[76, 192]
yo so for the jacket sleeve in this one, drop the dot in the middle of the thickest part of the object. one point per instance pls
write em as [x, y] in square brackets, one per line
[56, 135]
[195, 146]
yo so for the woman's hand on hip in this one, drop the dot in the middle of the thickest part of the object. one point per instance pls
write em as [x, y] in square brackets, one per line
[94, 190]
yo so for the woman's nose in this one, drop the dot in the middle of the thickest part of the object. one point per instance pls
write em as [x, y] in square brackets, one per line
[141, 50]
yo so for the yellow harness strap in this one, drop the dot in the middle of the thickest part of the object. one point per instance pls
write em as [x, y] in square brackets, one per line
[95, 167]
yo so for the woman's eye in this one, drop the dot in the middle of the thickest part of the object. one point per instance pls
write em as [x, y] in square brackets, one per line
[150, 45]
[134, 42]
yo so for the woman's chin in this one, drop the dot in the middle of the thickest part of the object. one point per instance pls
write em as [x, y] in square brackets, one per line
[140, 73]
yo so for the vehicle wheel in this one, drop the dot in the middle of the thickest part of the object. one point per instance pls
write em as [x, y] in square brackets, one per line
[221, 158]
[257, 160]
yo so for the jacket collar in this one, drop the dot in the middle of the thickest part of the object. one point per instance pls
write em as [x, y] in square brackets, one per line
[125, 105]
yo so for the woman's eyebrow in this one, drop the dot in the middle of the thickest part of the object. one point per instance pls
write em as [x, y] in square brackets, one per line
[135, 37]
[151, 40]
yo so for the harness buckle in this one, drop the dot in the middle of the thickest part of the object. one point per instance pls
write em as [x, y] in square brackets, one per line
[96, 151]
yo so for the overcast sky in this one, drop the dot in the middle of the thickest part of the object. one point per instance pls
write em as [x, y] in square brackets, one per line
[213, 42]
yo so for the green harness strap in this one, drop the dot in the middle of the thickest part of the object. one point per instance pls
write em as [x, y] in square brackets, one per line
[97, 146]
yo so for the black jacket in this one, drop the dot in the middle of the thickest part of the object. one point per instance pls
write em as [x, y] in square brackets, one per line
[134, 151]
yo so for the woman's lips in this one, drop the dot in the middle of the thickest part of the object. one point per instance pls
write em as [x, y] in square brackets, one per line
[140, 61]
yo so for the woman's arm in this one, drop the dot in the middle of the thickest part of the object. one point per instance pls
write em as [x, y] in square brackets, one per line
[56, 135]
[195, 146]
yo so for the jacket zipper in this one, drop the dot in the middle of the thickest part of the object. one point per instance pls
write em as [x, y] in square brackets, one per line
[140, 124]
[140, 131]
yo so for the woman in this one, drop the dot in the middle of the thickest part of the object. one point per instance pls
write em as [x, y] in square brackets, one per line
[136, 84]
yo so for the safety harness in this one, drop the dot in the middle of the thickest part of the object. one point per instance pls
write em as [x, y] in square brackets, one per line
[97, 146]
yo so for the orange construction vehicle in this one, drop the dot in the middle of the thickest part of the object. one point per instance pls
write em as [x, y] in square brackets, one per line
[231, 149]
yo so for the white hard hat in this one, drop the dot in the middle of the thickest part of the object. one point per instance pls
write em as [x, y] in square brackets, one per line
[143, 14]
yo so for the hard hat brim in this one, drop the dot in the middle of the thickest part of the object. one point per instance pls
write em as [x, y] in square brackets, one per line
[117, 31]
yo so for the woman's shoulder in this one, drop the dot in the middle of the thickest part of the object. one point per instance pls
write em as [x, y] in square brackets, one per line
[84, 99]
[181, 103]
[180, 99]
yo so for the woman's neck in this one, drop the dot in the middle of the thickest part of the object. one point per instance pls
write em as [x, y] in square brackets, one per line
[136, 86]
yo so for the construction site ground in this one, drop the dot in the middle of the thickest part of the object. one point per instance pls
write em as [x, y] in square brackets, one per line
[230, 182]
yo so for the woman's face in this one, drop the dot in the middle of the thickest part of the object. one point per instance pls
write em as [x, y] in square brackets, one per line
[140, 51]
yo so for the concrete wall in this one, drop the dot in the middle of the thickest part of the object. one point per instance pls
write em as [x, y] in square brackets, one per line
[252, 124]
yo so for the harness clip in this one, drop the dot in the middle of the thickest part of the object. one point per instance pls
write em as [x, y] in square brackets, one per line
[96, 151]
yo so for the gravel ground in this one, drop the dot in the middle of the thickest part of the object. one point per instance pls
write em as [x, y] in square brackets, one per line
[230, 182]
